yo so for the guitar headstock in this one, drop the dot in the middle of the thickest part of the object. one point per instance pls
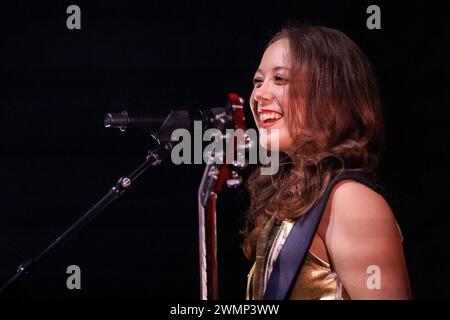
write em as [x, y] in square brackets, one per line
[229, 172]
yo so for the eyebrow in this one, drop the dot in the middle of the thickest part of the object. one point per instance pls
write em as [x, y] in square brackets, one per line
[275, 69]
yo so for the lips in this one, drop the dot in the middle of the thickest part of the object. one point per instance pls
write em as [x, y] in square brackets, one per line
[268, 117]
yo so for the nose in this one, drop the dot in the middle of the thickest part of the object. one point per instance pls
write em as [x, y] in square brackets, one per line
[263, 95]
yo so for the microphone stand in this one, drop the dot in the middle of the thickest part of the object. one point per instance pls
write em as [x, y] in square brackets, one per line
[153, 158]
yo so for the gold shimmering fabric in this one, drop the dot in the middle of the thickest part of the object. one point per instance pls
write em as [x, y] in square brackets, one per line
[316, 280]
[263, 245]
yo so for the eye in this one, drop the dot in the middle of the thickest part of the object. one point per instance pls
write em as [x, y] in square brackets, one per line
[280, 79]
[257, 82]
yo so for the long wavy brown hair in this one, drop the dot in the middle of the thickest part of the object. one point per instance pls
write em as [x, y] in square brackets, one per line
[333, 112]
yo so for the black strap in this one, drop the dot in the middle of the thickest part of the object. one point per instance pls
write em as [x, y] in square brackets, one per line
[291, 257]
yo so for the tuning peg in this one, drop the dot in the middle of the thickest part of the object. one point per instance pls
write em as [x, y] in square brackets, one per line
[240, 164]
[249, 142]
[235, 181]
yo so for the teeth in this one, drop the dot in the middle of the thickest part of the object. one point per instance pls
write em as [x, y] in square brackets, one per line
[269, 115]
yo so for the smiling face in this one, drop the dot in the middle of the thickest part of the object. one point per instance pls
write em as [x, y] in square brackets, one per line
[269, 98]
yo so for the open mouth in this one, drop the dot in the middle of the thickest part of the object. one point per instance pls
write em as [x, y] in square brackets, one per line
[268, 117]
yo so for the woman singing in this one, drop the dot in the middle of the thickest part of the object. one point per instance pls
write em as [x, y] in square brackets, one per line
[316, 101]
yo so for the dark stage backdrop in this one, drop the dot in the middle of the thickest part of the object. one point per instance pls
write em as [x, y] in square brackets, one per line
[57, 159]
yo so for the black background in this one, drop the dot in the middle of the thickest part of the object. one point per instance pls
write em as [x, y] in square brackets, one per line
[57, 159]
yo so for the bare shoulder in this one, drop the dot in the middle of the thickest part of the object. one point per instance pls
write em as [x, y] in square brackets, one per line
[356, 198]
[353, 205]
[360, 231]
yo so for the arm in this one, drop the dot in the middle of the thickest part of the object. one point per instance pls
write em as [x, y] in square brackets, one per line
[362, 238]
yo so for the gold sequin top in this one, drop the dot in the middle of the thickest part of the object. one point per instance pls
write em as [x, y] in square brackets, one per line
[316, 280]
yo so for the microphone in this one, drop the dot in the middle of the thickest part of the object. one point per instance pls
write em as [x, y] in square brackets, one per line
[210, 118]
[122, 121]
